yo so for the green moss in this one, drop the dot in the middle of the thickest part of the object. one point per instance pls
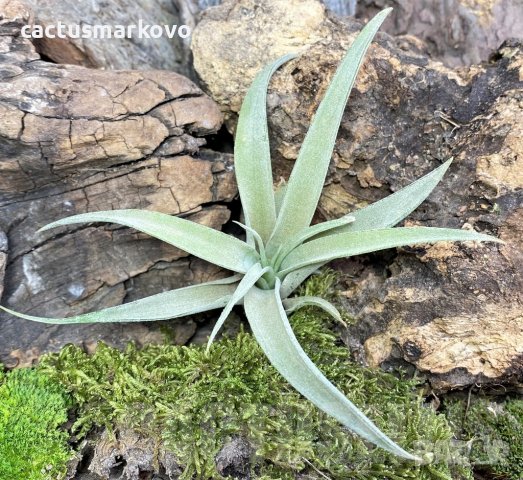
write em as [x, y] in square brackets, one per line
[493, 431]
[32, 410]
[195, 402]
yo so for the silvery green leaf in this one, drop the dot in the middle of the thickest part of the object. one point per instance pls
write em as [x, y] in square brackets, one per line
[273, 332]
[325, 227]
[256, 239]
[295, 303]
[252, 156]
[204, 242]
[392, 209]
[382, 214]
[294, 279]
[309, 233]
[246, 283]
[309, 172]
[163, 306]
[347, 244]
[279, 195]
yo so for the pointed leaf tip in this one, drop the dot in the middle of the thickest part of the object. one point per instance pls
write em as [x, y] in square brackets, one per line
[272, 330]
[252, 156]
[245, 284]
[348, 244]
[304, 188]
[162, 306]
[390, 210]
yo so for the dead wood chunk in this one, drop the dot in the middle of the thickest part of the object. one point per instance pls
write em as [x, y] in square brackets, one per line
[111, 52]
[452, 310]
[219, 34]
[130, 455]
[75, 140]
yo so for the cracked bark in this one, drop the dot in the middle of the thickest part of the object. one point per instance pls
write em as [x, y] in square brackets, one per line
[454, 311]
[75, 140]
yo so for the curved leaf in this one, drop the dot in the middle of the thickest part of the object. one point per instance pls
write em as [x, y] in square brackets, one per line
[381, 214]
[252, 156]
[273, 332]
[204, 242]
[308, 233]
[295, 303]
[390, 210]
[341, 245]
[308, 175]
[246, 283]
[163, 306]
[294, 279]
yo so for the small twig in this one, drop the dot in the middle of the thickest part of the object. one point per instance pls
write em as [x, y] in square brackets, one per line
[317, 471]
[467, 408]
[447, 119]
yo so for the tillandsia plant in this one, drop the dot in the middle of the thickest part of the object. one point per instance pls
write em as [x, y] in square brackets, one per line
[281, 249]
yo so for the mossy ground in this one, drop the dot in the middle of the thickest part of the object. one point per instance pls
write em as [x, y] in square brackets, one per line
[196, 402]
[493, 431]
[33, 446]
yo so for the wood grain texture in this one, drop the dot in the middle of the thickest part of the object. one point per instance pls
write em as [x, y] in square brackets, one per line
[76, 140]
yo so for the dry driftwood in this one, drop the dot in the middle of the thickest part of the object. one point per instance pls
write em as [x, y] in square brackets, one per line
[455, 311]
[74, 140]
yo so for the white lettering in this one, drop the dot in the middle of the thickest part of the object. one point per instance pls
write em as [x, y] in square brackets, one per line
[186, 31]
[102, 31]
[48, 29]
[38, 31]
[73, 31]
[64, 31]
[61, 30]
[156, 31]
[171, 32]
[119, 31]
[143, 30]
[87, 31]
[25, 31]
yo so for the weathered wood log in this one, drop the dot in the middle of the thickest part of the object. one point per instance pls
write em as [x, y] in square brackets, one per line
[74, 140]
[455, 311]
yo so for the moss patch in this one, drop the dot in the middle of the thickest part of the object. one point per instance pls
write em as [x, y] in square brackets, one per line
[195, 403]
[32, 410]
[493, 432]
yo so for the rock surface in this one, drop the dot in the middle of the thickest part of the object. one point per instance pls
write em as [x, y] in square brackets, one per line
[457, 32]
[74, 140]
[455, 311]
[117, 53]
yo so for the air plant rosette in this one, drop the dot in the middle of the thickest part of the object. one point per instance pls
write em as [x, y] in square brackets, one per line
[281, 249]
